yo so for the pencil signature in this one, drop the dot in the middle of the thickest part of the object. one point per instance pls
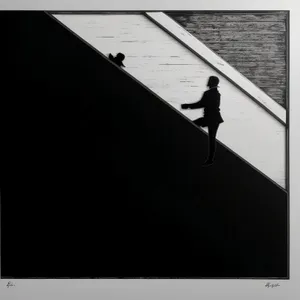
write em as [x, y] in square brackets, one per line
[272, 285]
[10, 284]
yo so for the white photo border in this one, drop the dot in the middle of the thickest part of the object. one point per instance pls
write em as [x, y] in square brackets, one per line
[139, 289]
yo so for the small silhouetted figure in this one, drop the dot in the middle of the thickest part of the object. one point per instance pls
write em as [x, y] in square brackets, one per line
[212, 118]
[118, 59]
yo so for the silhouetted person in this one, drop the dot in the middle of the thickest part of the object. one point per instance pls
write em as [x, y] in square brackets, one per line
[212, 118]
[118, 59]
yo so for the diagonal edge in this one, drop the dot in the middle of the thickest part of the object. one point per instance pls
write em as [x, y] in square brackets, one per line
[53, 16]
[217, 63]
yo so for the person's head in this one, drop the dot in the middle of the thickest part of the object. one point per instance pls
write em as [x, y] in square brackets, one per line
[120, 57]
[213, 81]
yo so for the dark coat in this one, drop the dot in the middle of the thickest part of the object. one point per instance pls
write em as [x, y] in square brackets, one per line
[210, 101]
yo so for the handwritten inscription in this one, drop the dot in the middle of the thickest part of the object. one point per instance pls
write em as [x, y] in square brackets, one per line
[10, 284]
[272, 285]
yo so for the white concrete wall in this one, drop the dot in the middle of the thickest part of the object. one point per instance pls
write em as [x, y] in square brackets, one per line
[178, 76]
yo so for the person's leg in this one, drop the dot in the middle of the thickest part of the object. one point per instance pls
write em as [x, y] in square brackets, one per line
[199, 122]
[212, 133]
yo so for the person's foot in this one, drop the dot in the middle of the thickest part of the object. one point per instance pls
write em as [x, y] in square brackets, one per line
[207, 163]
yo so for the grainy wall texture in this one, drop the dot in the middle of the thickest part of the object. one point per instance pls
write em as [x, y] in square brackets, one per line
[253, 43]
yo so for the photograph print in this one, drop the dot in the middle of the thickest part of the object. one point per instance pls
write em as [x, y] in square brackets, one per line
[146, 145]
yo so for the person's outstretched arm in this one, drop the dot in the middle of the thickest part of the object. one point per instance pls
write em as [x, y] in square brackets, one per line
[198, 104]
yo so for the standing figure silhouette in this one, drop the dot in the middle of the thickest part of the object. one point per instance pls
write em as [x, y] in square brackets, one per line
[212, 118]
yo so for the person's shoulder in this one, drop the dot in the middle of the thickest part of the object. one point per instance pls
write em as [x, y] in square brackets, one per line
[209, 92]
[214, 91]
